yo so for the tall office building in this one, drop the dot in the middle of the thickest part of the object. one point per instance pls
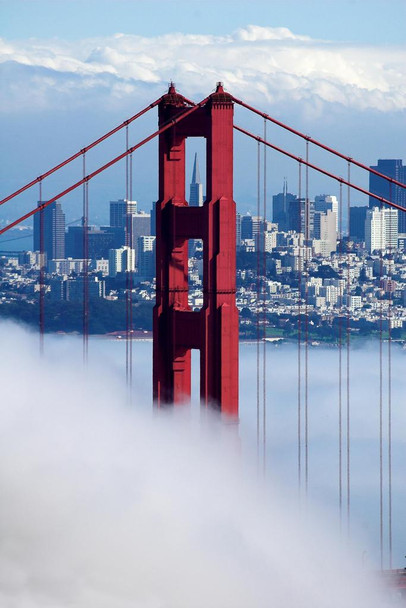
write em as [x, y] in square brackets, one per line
[146, 257]
[238, 230]
[327, 202]
[280, 208]
[246, 227]
[301, 217]
[251, 227]
[374, 230]
[381, 229]
[392, 167]
[268, 242]
[357, 223]
[100, 241]
[119, 210]
[153, 219]
[141, 226]
[53, 220]
[196, 187]
[325, 230]
[391, 227]
[258, 227]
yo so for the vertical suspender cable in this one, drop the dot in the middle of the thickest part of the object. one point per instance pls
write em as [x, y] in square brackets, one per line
[299, 338]
[306, 412]
[381, 391]
[85, 246]
[340, 368]
[41, 273]
[264, 312]
[348, 421]
[390, 388]
[87, 261]
[130, 276]
[257, 245]
[128, 242]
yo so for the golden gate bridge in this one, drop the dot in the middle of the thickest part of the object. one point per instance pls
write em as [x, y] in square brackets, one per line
[213, 330]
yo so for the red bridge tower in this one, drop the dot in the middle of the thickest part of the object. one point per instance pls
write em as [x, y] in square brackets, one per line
[214, 329]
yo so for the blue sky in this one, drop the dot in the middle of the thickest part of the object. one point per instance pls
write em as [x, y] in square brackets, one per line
[373, 21]
[71, 70]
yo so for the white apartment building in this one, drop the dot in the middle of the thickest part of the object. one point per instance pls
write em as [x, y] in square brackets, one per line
[354, 302]
[381, 229]
[121, 260]
[102, 265]
[325, 231]
[269, 240]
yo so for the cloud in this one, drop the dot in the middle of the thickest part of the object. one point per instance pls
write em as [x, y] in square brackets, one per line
[105, 505]
[268, 65]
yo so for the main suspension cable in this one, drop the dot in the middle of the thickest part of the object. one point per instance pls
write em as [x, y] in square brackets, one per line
[381, 199]
[112, 162]
[318, 143]
[78, 154]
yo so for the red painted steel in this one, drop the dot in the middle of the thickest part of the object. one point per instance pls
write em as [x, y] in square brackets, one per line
[214, 329]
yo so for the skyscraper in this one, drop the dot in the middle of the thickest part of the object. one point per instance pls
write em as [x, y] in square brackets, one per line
[141, 226]
[196, 187]
[392, 167]
[280, 207]
[325, 230]
[100, 241]
[246, 227]
[153, 219]
[258, 227]
[392, 227]
[119, 210]
[357, 223]
[300, 216]
[381, 229]
[53, 221]
[238, 230]
[146, 257]
[327, 202]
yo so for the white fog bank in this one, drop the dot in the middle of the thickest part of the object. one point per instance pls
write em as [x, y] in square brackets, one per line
[105, 505]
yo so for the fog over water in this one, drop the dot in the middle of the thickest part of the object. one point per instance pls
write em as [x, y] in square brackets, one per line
[106, 504]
